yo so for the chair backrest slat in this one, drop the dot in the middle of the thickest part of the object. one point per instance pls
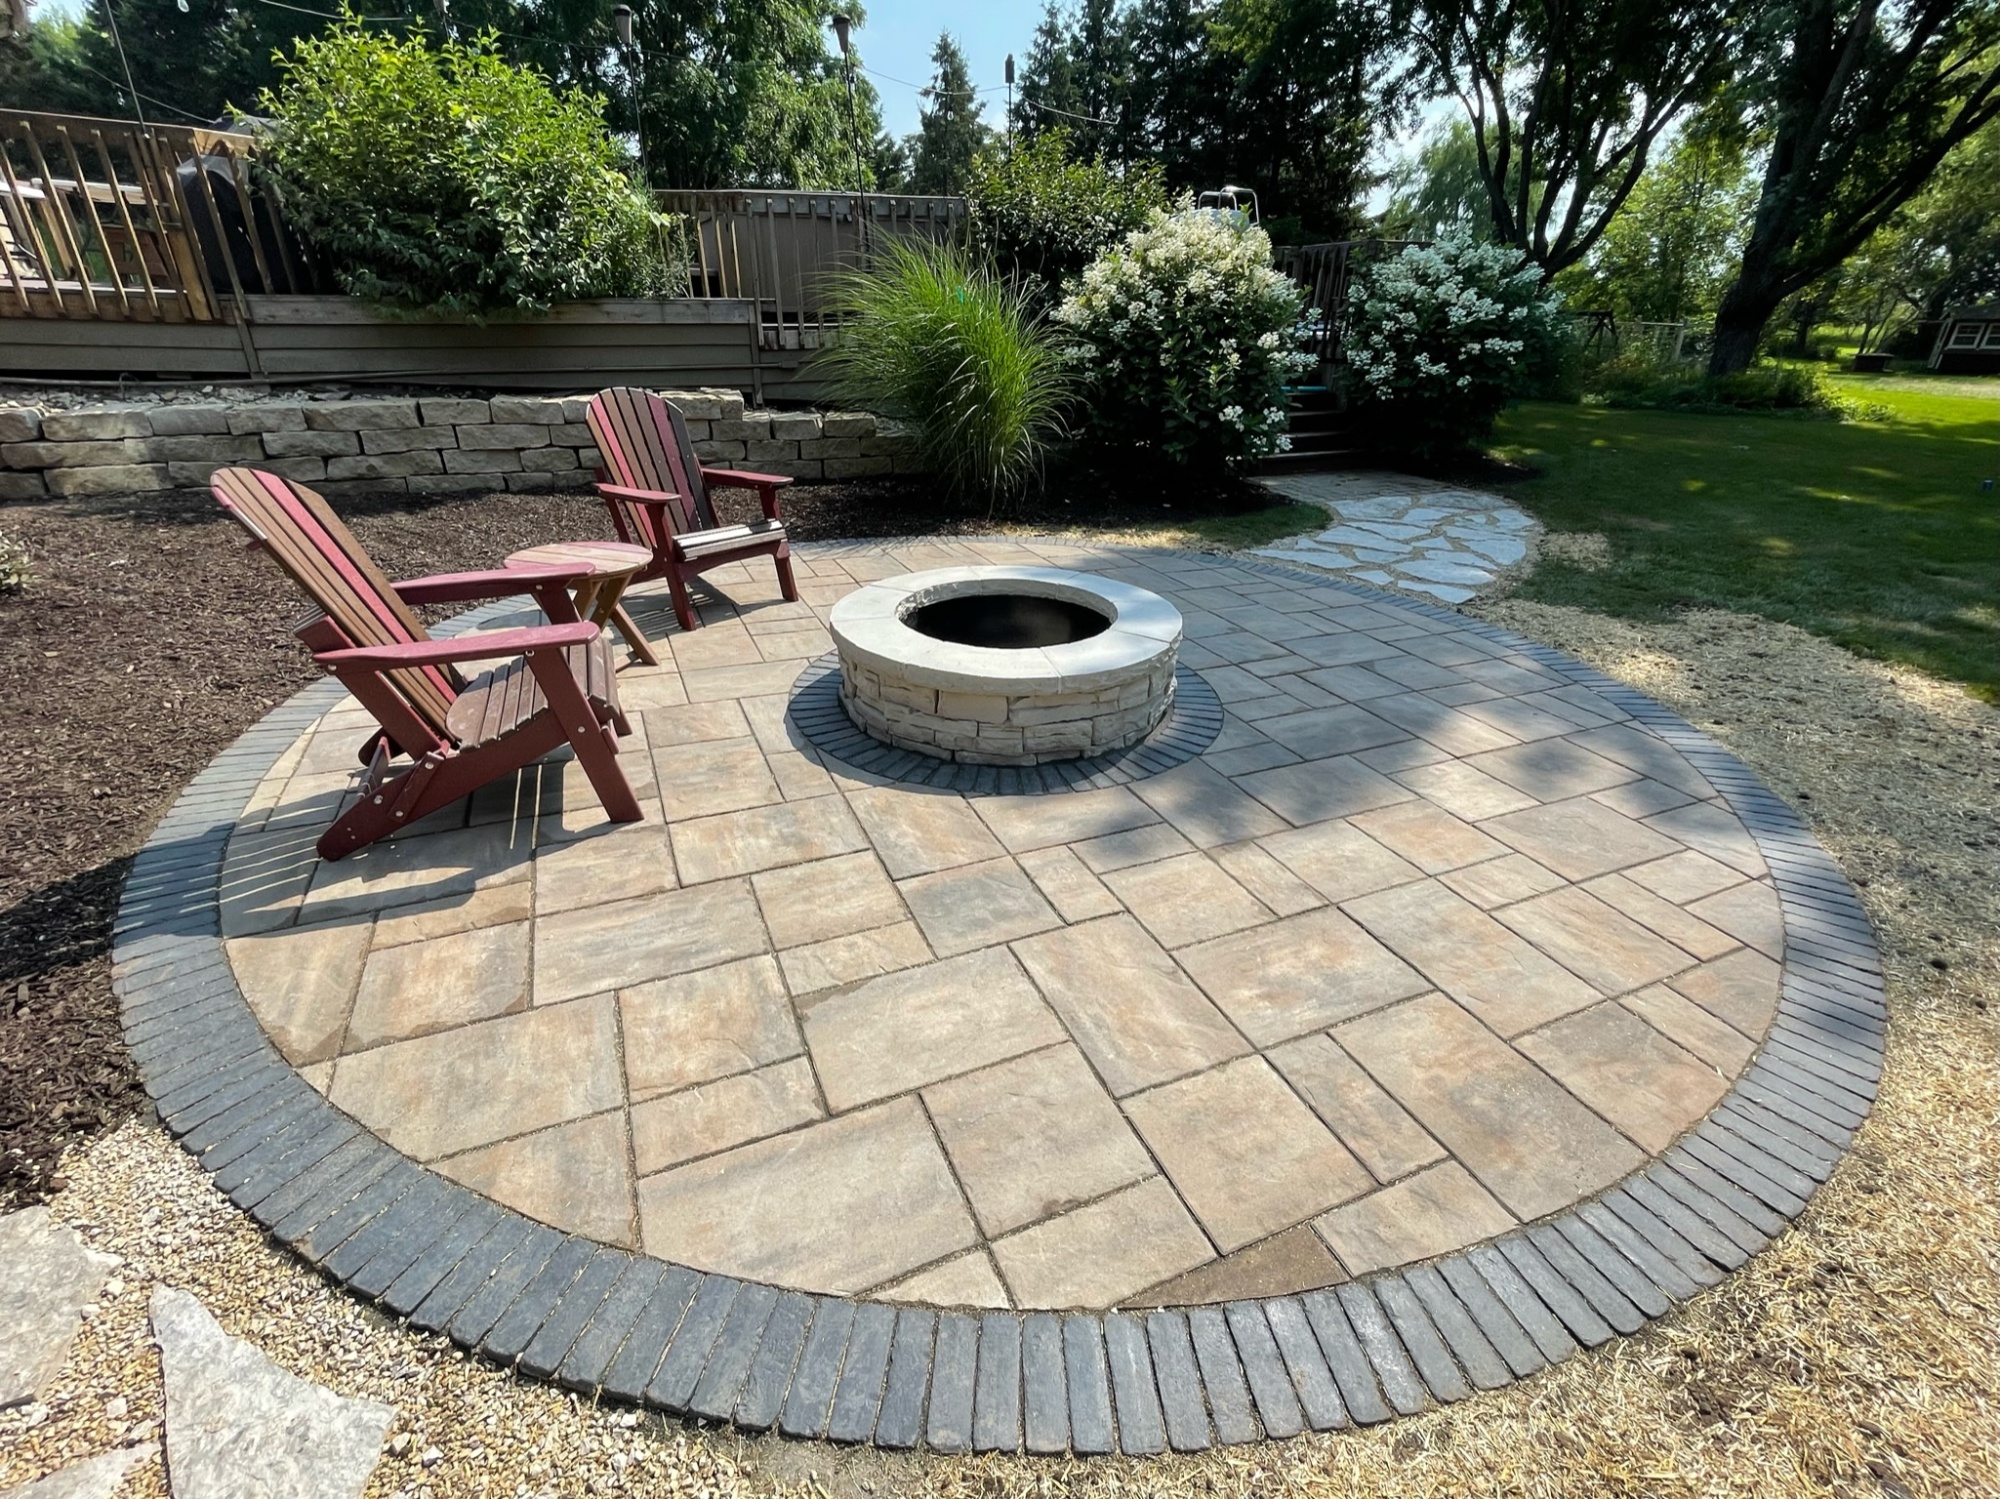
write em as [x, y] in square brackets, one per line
[310, 543]
[645, 444]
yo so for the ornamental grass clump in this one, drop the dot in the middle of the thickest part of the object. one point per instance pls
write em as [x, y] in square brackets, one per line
[1183, 340]
[440, 177]
[1439, 338]
[934, 340]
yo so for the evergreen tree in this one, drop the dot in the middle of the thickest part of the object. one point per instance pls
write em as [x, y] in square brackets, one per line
[950, 132]
[1046, 92]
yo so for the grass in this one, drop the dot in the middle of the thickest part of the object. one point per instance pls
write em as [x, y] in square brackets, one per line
[1875, 534]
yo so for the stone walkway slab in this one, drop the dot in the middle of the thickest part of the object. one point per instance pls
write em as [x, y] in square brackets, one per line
[239, 1427]
[47, 1276]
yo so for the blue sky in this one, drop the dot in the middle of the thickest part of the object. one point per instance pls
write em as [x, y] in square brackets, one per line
[899, 35]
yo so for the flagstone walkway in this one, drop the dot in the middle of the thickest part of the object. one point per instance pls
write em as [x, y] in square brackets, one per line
[1418, 536]
[1431, 942]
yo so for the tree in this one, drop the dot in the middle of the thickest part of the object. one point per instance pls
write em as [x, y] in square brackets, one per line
[1077, 76]
[1942, 249]
[1860, 101]
[1667, 256]
[1308, 80]
[950, 133]
[1566, 99]
[1440, 191]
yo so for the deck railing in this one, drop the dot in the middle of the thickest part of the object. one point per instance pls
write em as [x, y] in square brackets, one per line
[1324, 273]
[106, 219]
[778, 249]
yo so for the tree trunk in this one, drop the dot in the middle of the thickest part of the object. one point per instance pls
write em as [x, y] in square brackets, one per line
[1739, 326]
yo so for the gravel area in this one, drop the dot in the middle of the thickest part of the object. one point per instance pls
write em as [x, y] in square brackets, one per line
[1856, 1357]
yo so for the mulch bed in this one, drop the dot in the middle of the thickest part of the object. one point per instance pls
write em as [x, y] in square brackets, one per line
[148, 640]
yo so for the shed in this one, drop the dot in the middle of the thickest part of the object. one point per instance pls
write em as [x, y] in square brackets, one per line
[1968, 341]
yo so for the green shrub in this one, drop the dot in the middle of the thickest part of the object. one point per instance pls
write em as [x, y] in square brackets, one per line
[1041, 214]
[933, 339]
[1183, 338]
[1635, 382]
[1439, 338]
[440, 177]
[15, 574]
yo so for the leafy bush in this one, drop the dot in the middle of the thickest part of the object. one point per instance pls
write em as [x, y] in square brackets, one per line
[1183, 338]
[15, 573]
[1042, 214]
[1439, 338]
[445, 179]
[1635, 381]
[937, 341]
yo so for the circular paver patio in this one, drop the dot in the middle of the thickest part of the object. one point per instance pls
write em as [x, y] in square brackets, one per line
[1445, 953]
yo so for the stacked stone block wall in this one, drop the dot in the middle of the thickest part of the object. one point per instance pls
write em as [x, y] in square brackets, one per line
[979, 728]
[419, 444]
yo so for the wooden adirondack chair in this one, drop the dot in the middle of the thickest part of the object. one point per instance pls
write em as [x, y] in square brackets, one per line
[458, 734]
[657, 493]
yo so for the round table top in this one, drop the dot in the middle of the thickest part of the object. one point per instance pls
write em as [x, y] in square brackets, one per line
[607, 557]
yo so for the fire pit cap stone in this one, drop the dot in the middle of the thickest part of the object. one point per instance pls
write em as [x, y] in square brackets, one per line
[869, 627]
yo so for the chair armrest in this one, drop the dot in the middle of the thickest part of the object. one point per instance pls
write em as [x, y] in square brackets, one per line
[766, 485]
[655, 497]
[498, 582]
[517, 642]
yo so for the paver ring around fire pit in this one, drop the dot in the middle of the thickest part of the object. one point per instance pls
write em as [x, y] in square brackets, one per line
[1454, 1008]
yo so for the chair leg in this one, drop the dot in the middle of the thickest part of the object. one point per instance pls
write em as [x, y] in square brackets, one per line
[634, 636]
[786, 585]
[677, 589]
[585, 735]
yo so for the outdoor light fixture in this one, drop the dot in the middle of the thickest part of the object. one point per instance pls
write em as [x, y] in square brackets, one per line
[621, 22]
[841, 26]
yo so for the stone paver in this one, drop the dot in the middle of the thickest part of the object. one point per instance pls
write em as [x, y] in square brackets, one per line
[1247, 1155]
[1099, 1254]
[1034, 1136]
[1532, 1144]
[705, 1025]
[47, 1276]
[904, 1030]
[1413, 1219]
[575, 1177]
[1135, 1014]
[1427, 939]
[849, 1205]
[239, 1427]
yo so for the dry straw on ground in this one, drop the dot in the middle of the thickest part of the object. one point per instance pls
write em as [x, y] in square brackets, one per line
[1855, 1358]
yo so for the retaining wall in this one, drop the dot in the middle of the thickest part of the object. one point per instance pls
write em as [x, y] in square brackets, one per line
[421, 444]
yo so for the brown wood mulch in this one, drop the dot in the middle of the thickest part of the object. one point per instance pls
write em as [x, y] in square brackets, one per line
[148, 639]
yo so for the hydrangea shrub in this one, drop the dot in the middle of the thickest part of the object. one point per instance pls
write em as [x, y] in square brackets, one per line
[1439, 338]
[1183, 337]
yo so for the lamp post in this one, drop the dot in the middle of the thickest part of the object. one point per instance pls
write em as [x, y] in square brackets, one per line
[843, 25]
[635, 61]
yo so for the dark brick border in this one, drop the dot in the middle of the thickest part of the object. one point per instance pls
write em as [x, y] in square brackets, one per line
[1188, 727]
[629, 1327]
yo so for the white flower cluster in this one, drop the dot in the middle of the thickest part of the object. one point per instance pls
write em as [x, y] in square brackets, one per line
[1454, 313]
[1186, 333]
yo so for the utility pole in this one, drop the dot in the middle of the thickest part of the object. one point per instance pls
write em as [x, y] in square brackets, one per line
[1010, 104]
[842, 26]
[111, 16]
[635, 62]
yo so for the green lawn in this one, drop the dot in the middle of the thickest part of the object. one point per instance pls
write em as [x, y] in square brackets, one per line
[1875, 534]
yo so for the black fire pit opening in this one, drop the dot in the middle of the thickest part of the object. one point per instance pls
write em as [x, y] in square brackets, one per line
[1006, 621]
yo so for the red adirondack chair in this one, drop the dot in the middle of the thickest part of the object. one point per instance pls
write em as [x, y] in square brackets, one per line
[657, 493]
[557, 688]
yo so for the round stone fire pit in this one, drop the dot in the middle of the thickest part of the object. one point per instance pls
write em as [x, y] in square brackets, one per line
[1006, 665]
